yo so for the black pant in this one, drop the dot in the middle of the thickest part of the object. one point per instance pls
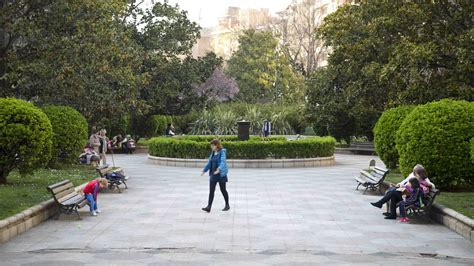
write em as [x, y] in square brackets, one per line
[212, 188]
[394, 197]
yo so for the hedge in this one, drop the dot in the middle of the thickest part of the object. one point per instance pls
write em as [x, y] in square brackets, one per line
[70, 133]
[385, 133]
[472, 150]
[437, 135]
[25, 137]
[209, 138]
[197, 147]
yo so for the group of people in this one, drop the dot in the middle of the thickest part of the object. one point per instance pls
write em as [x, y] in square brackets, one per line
[120, 142]
[95, 151]
[410, 191]
[413, 189]
[216, 166]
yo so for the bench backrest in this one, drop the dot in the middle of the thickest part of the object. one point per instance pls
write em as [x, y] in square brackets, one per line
[362, 144]
[369, 176]
[430, 197]
[62, 191]
[104, 170]
[377, 174]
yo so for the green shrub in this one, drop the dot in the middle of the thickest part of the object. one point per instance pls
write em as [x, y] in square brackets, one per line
[437, 136]
[25, 137]
[183, 123]
[222, 119]
[69, 133]
[159, 124]
[205, 124]
[198, 147]
[385, 133]
[226, 122]
[472, 150]
[209, 138]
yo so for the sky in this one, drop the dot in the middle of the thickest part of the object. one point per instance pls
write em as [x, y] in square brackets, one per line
[211, 10]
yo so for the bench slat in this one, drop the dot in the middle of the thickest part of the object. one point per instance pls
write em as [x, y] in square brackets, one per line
[67, 197]
[64, 193]
[74, 200]
[62, 188]
[370, 178]
[380, 169]
[360, 179]
[58, 185]
[82, 203]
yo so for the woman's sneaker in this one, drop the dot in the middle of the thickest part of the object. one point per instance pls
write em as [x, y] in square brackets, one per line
[404, 220]
[98, 211]
[94, 213]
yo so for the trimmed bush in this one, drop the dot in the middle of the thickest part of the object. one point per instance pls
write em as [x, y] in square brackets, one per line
[385, 131]
[25, 137]
[437, 135]
[197, 147]
[472, 150]
[69, 133]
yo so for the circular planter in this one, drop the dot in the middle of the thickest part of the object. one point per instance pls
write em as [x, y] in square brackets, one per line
[247, 163]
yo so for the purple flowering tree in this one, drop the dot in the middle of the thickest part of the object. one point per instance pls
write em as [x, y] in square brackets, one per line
[218, 87]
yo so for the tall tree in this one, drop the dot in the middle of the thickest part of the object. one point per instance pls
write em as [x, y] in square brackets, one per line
[262, 71]
[298, 25]
[75, 53]
[391, 53]
[219, 87]
[166, 37]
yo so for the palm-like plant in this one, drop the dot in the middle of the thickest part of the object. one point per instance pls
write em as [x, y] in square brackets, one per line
[225, 122]
[254, 115]
[205, 125]
[280, 125]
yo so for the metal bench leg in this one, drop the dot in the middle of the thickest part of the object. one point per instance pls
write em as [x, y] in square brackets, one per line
[366, 188]
[126, 187]
[77, 213]
[357, 188]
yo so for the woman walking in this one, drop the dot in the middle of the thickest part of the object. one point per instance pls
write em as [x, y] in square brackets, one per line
[217, 167]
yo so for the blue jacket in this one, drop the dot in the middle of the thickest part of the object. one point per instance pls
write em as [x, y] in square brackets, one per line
[222, 163]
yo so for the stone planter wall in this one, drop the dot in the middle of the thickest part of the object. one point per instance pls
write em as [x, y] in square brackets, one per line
[239, 163]
[27, 219]
[449, 218]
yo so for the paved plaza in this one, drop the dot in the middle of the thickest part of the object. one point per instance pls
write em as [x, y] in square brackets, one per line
[301, 216]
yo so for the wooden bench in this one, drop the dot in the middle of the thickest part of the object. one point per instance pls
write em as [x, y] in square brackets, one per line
[119, 150]
[362, 148]
[372, 180]
[113, 183]
[414, 210]
[67, 198]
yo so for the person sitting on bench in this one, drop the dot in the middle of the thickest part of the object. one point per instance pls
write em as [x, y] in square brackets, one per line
[416, 196]
[394, 194]
[89, 156]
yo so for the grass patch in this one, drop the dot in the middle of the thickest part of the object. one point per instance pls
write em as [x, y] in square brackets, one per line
[462, 202]
[24, 192]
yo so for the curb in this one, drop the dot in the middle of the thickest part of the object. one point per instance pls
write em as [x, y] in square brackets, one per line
[21, 222]
[243, 163]
[450, 218]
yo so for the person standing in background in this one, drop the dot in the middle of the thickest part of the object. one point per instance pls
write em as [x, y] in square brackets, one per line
[267, 128]
[94, 140]
[103, 146]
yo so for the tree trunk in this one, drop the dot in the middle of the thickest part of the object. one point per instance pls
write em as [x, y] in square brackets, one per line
[3, 177]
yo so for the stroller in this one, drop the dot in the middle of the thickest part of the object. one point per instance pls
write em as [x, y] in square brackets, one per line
[115, 178]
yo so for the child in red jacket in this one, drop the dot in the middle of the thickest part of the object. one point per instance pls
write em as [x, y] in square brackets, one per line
[91, 190]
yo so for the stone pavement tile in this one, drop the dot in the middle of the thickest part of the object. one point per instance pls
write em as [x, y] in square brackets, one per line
[277, 216]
